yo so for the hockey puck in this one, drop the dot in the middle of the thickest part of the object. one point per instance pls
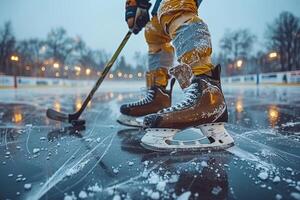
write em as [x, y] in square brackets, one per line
[79, 122]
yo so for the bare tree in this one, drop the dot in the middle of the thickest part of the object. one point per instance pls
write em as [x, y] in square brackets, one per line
[284, 37]
[7, 47]
[32, 53]
[237, 44]
[60, 46]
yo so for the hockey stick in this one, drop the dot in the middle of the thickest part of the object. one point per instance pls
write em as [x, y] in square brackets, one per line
[72, 118]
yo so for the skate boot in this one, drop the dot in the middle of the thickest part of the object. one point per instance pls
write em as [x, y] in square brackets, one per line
[204, 107]
[156, 99]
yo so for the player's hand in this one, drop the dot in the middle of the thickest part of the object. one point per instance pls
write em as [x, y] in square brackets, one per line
[137, 14]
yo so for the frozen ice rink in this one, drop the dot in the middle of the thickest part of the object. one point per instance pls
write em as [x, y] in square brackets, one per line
[44, 159]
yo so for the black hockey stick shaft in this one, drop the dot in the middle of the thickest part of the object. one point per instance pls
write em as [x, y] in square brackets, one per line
[101, 78]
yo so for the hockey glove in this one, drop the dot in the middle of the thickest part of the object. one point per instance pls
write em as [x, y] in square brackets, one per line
[137, 14]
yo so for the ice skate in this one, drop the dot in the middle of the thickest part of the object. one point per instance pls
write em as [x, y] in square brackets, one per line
[204, 108]
[157, 98]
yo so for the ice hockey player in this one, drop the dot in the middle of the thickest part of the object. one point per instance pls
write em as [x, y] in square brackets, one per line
[204, 105]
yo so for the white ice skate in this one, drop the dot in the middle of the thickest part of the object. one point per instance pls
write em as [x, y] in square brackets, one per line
[130, 121]
[159, 139]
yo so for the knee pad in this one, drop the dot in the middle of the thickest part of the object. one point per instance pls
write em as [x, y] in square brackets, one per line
[193, 37]
[163, 58]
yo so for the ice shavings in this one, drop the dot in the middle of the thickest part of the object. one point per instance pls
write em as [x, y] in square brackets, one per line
[82, 194]
[263, 175]
[27, 186]
[184, 196]
[76, 168]
[216, 190]
[295, 195]
[36, 150]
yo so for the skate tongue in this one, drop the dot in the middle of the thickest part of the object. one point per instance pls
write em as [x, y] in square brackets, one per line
[183, 74]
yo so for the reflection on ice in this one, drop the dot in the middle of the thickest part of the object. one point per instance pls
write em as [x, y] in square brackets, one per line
[105, 160]
[273, 115]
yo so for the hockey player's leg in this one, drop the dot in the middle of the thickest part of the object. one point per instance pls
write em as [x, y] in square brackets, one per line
[204, 103]
[158, 97]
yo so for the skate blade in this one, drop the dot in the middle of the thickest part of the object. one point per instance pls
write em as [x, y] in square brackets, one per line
[130, 121]
[162, 139]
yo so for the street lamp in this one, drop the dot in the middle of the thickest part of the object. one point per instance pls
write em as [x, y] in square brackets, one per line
[88, 71]
[14, 58]
[77, 68]
[239, 63]
[56, 65]
[273, 55]
[120, 74]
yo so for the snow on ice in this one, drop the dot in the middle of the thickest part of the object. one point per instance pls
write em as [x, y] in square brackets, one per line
[263, 175]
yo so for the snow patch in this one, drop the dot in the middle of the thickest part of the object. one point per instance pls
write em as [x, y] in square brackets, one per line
[27, 186]
[184, 196]
[216, 190]
[36, 150]
[161, 186]
[204, 164]
[263, 175]
[278, 197]
[116, 197]
[154, 195]
[82, 195]
[295, 195]
[95, 188]
[276, 179]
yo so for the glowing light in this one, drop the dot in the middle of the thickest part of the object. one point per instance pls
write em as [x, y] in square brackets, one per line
[27, 68]
[43, 69]
[57, 106]
[78, 103]
[130, 76]
[120, 97]
[111, 95]
[273, 55]
[99, 73]
[43, 49]
[17, 117]
[88, 71]
[57, 74]
[66, 68]
[55, 65]
[273, 114]
[111, 76]
[77, 68]
[239, 106]
[239, 63]
[120, 74]
[14, 58]
[140, 74]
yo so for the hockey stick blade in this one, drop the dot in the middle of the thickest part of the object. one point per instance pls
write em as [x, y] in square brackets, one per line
[58, 116]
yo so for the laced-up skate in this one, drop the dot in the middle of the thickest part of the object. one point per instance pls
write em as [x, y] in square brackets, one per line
[156, 99]
[203, 108]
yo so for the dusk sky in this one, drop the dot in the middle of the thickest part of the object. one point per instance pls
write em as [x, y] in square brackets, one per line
[101, 23]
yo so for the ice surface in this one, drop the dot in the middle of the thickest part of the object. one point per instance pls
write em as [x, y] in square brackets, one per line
[106, 160]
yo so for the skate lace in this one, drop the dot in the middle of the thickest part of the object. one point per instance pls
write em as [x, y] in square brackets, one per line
[147, 99]
[189, 97]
